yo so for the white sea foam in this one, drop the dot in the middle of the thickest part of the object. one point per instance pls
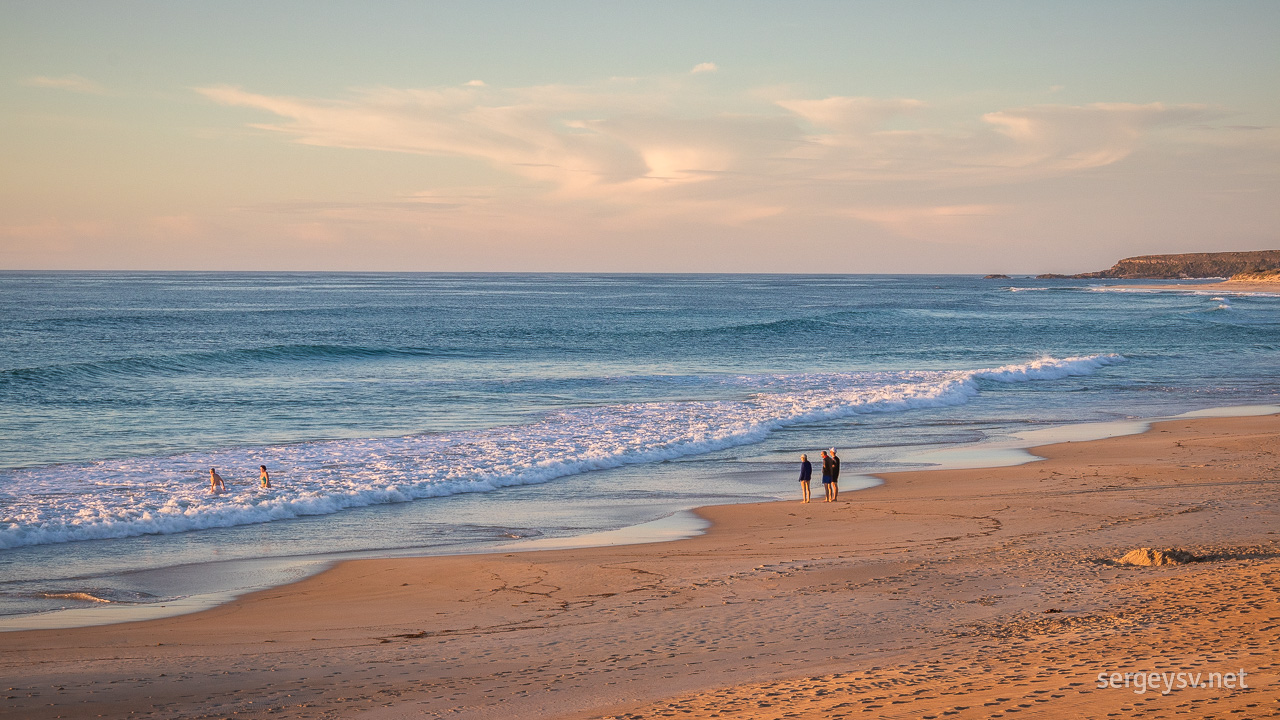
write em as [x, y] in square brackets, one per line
[1183, 290]
[158, 495]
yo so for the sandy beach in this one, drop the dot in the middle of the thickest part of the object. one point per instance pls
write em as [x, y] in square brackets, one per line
[1239, 286]
[965, 594]
[1248, 286]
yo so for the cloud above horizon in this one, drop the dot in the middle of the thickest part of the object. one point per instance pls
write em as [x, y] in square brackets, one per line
[73, 83]
[658, 137]
[666, 147]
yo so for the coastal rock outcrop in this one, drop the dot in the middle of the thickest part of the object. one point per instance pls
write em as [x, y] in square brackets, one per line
[1147, 557]
[1190, 265]
[1266, 276]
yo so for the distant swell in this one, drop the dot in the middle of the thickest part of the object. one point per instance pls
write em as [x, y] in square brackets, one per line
[159, 495]
[192, 363]
[778, 327]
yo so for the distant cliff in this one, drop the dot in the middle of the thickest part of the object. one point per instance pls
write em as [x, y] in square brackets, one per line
[1189, 265]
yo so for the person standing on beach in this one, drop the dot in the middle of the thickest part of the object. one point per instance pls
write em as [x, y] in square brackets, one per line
[826, 475]
[806, 473]
[215, 482]
[835, 475]
[264, 478]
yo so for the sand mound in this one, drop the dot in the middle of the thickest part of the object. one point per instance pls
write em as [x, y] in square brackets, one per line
[1148, 556]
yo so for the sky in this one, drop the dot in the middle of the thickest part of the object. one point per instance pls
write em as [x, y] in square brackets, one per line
[740, 136]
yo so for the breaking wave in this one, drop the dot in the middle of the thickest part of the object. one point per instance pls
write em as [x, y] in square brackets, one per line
[160, 495]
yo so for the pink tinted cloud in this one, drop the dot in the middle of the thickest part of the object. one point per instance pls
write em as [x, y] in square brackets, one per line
[654, 149]
[73, 83]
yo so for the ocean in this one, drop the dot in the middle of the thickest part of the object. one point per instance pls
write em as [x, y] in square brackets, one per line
[439, 413]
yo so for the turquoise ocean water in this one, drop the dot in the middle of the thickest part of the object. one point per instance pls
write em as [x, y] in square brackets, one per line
[425, 413]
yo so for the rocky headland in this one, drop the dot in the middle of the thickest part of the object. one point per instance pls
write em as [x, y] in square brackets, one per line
[1255, 267]
[1265, 276]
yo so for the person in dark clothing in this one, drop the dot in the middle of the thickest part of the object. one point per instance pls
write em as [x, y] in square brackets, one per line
[826, 475]
[806, 472]
[835, 475]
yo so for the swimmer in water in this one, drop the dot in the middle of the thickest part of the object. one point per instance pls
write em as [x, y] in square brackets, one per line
[264, 477]
[215, 482]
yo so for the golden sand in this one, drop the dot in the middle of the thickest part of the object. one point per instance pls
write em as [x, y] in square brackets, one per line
[946, 594]
[1240, 286]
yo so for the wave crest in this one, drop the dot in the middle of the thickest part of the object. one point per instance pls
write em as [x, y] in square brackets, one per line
[161, 495]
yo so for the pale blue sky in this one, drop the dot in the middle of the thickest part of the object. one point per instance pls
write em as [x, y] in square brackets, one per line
[837, 136]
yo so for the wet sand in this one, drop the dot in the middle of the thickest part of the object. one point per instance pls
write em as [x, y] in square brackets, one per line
[1249, 286]
[1242, 286]
[957, 594]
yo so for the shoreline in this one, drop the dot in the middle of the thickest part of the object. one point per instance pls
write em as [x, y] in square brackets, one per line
[1224, 286]
[285, 570]
[939, 590]
[291, 569]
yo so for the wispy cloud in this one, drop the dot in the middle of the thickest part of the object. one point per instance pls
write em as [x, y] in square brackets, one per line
[924, 221]
[1065, 137]
[852, 116]
[662, 147]
[73, 83]
[706, 67]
